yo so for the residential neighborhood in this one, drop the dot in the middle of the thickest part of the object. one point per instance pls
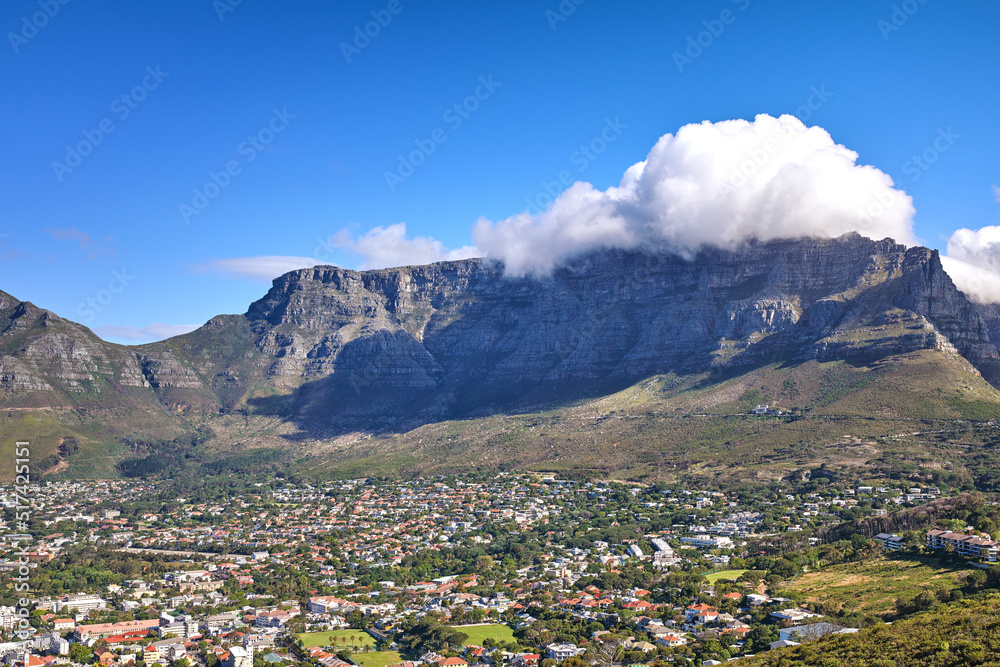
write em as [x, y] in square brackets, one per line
[510, 569]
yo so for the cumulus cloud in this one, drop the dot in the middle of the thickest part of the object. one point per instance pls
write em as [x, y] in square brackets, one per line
[263, 268]
[383, 247]
[973, 262]
[146, 334]
[711, 184]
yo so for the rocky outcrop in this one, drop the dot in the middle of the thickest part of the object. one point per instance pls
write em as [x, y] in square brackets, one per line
[46, 353]
[336, 348]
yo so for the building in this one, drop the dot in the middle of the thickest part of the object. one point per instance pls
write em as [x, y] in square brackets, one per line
[793, 615]
[128, 629]
[81, 602]
[212, 624]
[969, 546]
[804, 633]
[238, 657]
[703, 541]
[889, 541]
[561, 652]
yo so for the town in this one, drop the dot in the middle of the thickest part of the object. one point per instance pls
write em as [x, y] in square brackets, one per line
[511, 569]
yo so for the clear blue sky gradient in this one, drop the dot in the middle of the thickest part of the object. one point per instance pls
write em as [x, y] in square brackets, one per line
[325, 170]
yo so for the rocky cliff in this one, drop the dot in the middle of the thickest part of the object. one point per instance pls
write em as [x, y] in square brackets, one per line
[337, 349]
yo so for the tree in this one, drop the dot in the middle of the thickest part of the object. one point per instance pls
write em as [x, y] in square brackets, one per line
[608, 652]
[80, 653]
[976, 579]
[760, 637]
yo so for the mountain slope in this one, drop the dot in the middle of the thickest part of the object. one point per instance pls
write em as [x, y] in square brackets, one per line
[329, 353]
[403, 346]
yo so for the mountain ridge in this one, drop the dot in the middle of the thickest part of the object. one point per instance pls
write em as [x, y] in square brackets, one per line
[332, 351]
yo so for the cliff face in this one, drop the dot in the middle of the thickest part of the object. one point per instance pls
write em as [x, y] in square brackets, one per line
[381, 349]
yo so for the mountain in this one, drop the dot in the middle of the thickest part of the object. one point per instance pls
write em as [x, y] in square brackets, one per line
[332, 356]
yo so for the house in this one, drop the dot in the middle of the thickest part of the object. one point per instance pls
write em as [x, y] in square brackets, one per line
[560, 652]
[695, 610]
[671, 640]
[804, 633]
[793, 615]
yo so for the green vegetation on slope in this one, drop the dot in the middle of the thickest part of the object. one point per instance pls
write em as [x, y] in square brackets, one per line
[872, 587]
[960, 633]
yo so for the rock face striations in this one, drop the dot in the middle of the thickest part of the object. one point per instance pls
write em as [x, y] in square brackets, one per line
[342, 349]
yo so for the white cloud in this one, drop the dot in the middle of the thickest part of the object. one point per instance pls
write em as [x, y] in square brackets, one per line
[383, 247]
[711, 183]
[264, 268]
[146, 334]
[981, 285]
[90, 248]
[973, 262]
[979, 248]
[996, 192]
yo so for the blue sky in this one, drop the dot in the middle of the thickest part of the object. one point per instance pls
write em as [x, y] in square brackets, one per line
[178, 90]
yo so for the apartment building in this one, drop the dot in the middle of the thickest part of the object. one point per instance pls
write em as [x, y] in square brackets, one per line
[969, 546]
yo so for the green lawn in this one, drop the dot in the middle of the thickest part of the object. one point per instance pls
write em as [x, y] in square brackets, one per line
[871, 587]
[377, 658]
[361, 638]
[496, 632]
[730, 575]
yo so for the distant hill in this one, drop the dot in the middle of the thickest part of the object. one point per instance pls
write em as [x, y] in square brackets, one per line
[599, 367]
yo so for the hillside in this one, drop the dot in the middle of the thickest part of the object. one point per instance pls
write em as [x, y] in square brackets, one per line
[630, 363]
[959, 633]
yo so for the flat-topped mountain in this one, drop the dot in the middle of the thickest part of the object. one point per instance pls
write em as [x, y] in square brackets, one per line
[334, 351]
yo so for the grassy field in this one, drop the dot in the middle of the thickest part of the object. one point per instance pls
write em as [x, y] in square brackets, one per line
[872, 587]
[496, 632]
[360, 639]
[377, 658]
[729, 575]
